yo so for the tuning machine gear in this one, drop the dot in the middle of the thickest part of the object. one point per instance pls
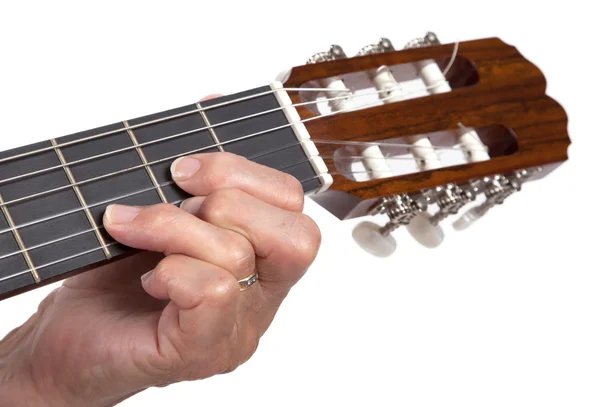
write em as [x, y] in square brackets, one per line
[496, 189]
[384, 45]
[400, 210]
[427, 40]
[334, 52]
[425, 228]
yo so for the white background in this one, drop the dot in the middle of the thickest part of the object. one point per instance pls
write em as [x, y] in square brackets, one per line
[506, 313]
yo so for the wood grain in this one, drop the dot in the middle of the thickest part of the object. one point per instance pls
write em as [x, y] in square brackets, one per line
[511, 91]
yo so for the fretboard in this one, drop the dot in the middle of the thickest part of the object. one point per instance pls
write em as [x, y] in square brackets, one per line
[53, 194]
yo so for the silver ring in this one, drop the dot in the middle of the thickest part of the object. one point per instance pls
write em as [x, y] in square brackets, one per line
[248, 282]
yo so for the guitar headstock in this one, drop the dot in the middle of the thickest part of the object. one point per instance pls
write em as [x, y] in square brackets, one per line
[427, 131]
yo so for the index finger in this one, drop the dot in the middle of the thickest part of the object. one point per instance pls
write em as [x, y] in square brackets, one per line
[203, 174]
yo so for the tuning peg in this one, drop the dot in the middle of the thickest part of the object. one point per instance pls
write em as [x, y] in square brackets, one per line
[496, 189]
[401, 210]
[384, 45]
[334, 52]
[425, 228]
[428, 39]
[340, 97]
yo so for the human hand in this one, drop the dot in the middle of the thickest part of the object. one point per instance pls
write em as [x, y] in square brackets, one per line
[107, 334]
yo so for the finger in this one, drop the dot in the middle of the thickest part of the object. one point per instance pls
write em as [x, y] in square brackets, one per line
[190, 283]
[202, 314]
[286, 242]
[203, 174]
[167, 229]
[211, 96]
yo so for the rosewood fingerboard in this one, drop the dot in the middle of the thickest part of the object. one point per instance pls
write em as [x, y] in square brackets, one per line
[44, 238]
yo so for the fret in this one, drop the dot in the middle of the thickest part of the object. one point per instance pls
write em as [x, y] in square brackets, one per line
[174, 146]
[210, 129]
[145, 161]
[82, 201]
[100, 193]
[14, 263]
[279, 149]
[19, 240]
[30, 216]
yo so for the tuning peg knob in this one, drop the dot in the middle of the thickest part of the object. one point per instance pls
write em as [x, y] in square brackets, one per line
[401, 210]
[373, 238]
[425, 231]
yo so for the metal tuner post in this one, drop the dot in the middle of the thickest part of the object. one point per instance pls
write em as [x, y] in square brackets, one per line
[496, 189]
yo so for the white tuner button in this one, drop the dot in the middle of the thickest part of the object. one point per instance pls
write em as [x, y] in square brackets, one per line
[466, 220]
[425, 232]
[369, 237]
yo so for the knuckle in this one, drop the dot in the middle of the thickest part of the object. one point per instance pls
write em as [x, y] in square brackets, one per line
[217, 167]
[240, 255]
[222, 291]
[293, 192]
[218, 205]
[306, 239]
[157, 215]
[162, 271]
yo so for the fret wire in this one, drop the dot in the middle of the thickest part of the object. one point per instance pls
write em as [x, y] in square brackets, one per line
[210, 128]
[58, 240]
[142, 156]
[80, 197]
[20, 243]
[189, 152]
[174, 136]
[148, 123]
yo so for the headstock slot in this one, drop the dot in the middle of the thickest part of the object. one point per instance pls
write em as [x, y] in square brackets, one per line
[498, 141]
[509, 92]
[462, 73]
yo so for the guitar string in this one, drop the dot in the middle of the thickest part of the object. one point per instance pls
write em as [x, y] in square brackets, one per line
[189, 132]
[100, 248]
[145, 165]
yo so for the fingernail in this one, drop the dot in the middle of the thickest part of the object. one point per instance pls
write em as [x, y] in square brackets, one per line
[192, 205]
[116, 214]
[146, 276]
[184, 168]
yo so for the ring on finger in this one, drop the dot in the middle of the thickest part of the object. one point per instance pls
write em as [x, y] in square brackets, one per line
[248, 282]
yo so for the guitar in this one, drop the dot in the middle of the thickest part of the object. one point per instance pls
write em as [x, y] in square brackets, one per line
[418, 134]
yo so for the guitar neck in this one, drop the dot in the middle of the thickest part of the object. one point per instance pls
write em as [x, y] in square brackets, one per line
[53, 194]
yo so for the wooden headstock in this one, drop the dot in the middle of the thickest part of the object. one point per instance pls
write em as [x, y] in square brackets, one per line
[495, 91]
